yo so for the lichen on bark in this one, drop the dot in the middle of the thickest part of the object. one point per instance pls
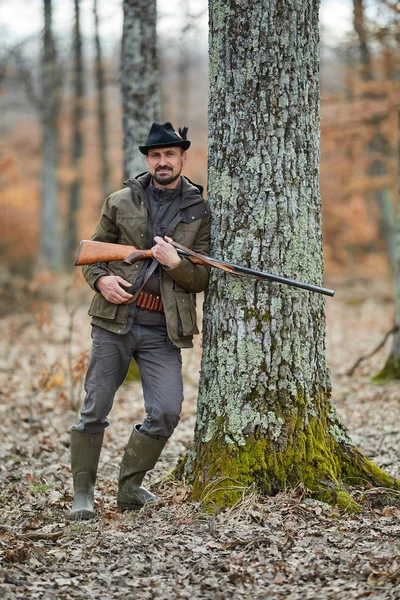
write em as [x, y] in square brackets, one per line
[265, 414]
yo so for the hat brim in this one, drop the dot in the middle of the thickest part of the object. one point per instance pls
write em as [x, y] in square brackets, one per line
[185, 144]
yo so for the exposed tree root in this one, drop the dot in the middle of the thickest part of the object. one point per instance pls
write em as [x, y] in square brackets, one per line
[374, 351]
[390, 372]
[339, 475]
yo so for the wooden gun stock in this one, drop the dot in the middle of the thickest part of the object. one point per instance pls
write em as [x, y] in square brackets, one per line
[90, 253]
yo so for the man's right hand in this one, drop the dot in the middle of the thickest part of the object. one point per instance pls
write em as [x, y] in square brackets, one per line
[110, 288]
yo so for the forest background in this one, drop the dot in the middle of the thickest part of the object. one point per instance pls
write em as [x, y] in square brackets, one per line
[294, 545]
[359, 127]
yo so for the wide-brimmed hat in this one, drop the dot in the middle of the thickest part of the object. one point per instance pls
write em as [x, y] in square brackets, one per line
[163, 135]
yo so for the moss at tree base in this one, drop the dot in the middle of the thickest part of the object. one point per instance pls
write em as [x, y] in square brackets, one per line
[332, 470]
[390, 372]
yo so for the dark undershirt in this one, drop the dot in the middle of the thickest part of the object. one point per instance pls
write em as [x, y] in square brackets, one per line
[162, 204]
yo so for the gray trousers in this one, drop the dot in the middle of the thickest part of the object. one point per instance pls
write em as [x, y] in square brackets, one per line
[160, 366]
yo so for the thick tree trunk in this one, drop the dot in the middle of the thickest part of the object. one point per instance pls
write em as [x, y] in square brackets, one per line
[77, 142]
[49, 254]
[101, 106]
[139, 79]
[265, 414]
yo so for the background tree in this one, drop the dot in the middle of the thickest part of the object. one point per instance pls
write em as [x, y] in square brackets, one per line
[265, 414]
[101, 105]
[391, 369]
[77, 140]
[139, 79]
[378, 147]
[49, 109]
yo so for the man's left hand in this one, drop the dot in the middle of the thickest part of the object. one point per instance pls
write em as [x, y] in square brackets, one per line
[164, 253]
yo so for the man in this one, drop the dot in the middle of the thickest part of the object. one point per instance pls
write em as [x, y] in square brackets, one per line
[146, 310]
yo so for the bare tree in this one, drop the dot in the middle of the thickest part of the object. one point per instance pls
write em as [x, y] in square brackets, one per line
[184, 63]
[379, 147]
[49, 108]
[101, 105]
[391, 369]
[139, 79]
[77, 140]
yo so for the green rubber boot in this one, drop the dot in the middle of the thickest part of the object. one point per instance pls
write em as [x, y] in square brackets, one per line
[141, 455]
[85, 454]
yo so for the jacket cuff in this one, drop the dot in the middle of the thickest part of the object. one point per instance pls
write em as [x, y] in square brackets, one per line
[182, 273]
[173, 268]
[94, 282]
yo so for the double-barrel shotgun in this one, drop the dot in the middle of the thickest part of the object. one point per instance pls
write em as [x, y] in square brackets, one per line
[91, 252]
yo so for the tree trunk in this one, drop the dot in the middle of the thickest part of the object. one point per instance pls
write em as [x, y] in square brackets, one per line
[49, 253]
[184, 64]
[379, 144]
[77, 142]
[139, 80]
[360, 29]
[265, 415]
[101, 106]
[391, 369]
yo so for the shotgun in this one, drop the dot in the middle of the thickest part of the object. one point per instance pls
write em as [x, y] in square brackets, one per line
[90, 253]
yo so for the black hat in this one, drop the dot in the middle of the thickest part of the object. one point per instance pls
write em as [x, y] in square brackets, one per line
[164, 135]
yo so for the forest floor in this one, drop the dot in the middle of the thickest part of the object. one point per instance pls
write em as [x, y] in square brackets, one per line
[286, 547]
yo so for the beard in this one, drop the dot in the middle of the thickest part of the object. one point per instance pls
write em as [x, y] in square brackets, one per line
[166, 178]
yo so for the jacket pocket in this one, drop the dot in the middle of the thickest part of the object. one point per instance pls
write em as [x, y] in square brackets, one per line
[101, 308]
[187, 324]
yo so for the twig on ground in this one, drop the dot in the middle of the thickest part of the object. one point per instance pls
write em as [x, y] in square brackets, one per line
[37, 535]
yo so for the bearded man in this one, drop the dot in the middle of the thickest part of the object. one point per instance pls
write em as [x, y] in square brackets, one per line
[152, 328]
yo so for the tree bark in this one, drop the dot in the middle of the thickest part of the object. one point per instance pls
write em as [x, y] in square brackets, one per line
[101, 106]
[265, 414]
[49, 106]
[139, 80]
[77, 142]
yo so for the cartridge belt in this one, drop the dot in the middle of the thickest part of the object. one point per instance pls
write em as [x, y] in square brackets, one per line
[150, 302]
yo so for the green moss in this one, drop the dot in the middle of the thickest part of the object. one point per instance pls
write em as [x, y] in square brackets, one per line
[340, 498]
[302, 453]
[357, 470]
[40, 487]
[390, 372]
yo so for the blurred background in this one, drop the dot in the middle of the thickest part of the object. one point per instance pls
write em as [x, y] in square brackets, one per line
[39, 70]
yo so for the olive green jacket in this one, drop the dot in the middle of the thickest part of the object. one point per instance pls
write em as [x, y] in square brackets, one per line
[123, 220]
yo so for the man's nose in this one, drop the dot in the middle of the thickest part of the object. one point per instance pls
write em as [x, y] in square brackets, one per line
[162, 162]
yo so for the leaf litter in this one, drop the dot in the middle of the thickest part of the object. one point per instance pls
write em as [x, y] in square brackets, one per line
[286, 547]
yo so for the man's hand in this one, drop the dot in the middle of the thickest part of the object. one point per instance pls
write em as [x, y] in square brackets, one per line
[110, 288]
[164, 253]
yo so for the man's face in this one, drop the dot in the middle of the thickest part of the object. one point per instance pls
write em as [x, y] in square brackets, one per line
[166, 164]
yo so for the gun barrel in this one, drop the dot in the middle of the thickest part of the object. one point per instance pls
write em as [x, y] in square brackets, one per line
[262, 275]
